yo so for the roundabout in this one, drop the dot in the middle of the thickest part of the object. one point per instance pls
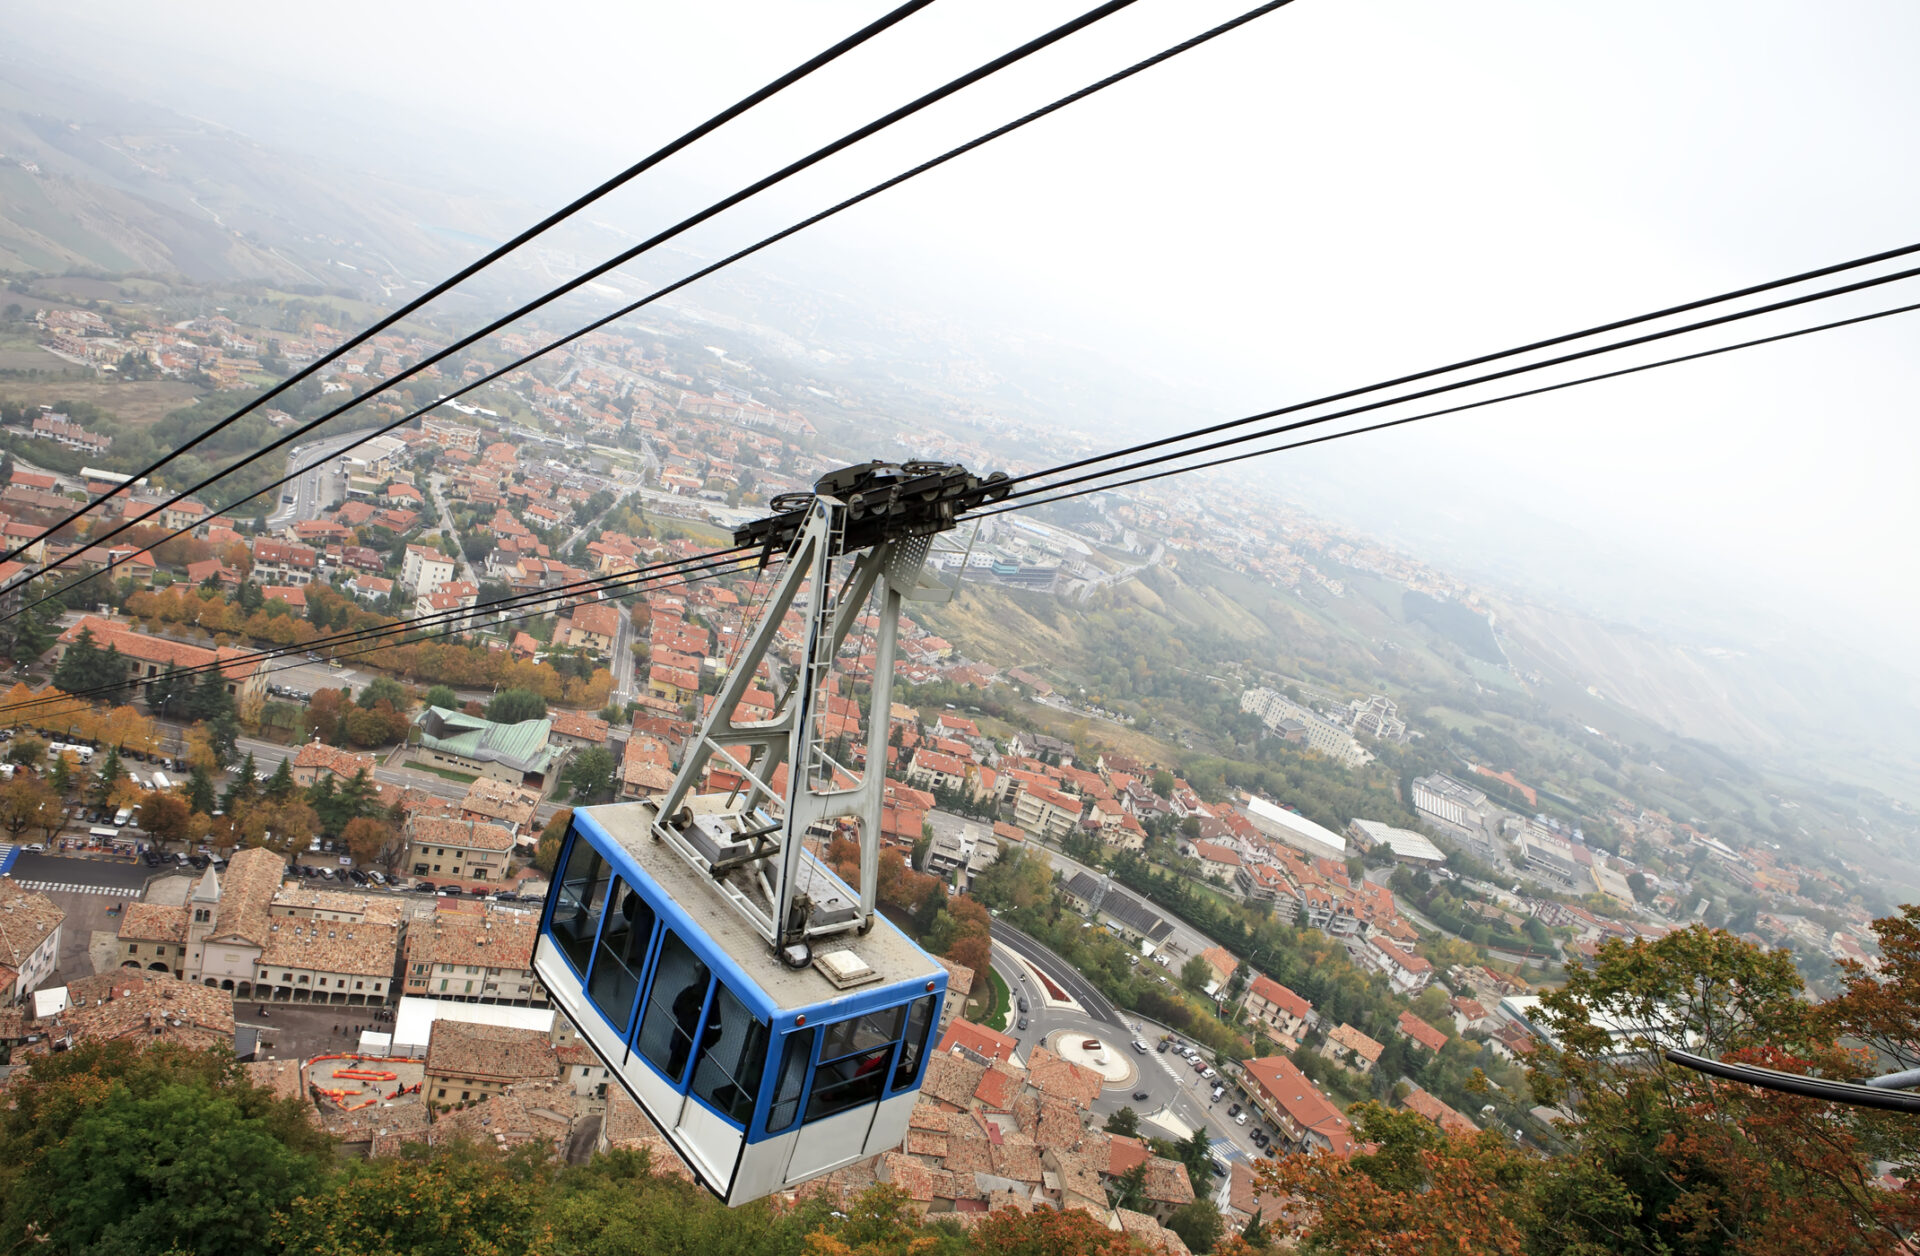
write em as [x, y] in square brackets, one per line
[1114, 1063]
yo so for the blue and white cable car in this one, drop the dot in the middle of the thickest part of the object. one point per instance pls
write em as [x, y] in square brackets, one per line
[760, 1074]
[760, 1010]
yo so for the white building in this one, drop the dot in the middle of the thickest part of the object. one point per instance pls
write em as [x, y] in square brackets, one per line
[1406, 845]
[1275, 709]
[1294, 829]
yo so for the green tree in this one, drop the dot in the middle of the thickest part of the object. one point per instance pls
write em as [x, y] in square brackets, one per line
[185, 1168]
[1129, 1190]
[510, 706]
[111, 770]
[441, 696]
[280, 786]
[455, 1201]
[591, 774]
[200, 792]
[1195, 974]
[26, 751]
[1198, 1223]
[86, 668]
[167, 693]
[385, 689]
[1125, 1121]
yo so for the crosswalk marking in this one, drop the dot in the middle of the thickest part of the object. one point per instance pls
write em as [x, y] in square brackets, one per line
[65, 887]
[8, 853]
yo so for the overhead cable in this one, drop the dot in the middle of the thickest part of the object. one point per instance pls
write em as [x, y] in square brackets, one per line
[855, 136]
[455, 621]
[859, 37]
[1483, 359]
[533, 356]
[1508, 373]
[1104, 486]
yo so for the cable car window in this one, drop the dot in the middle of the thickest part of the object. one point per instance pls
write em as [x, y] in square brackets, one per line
[583, 895]
[919, 1022]
[621, 957]
[793, 1079]
[848, 1083]
[731, 1060]
[673, 1007]
[861, 1032]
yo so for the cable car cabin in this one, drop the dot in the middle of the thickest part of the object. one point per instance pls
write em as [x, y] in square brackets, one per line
[761, 1075]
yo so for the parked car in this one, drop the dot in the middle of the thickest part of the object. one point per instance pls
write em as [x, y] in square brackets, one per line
[1208, 1073]
[1234, 1110]
[1162, 1048]
[1197, 1065]
[453, 889]
[358, 877]
[1241, 1119]
[1139, 1047]
[1023, 1022]
[35, 846]
[424, 887]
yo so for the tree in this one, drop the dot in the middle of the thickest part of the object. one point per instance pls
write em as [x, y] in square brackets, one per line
[1163, 783]
[110, 771]
[167, 817]
[167, 693]
[1198, 1223]
[280, 785]
[366, 838]
[65, 766]
[21, 802]
[546, 853]
[200, 791]
[1129, 1190]
[27, 751]
[181, 1168]
[510, 706]
[384, 689]
[1195, 974]
[87, 669]
[441, 696]
[1125, 1121]
[453, 1203]
[591, 774]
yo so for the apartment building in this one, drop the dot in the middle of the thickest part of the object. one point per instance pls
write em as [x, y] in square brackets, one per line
[457, 850]
[475, 958]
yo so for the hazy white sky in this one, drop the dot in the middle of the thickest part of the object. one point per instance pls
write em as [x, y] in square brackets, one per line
[1343, 191]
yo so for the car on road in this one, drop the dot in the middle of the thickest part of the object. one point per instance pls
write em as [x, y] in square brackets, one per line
[1023, 1003]
[1162, 1048]
[36, 847]
[1234, 1110]
[1022, 1024]
[358, 877]
[1139, 1096]
[424, 887]
[1139, 1047]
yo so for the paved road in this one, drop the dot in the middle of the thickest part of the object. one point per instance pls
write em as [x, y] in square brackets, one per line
[436, 485]
[39, 871]
[1170, 1084]
[623, 681]
[319, 488]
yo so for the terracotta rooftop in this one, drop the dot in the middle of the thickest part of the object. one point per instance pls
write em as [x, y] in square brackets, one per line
[465, 834]
[497, 940]
[27, 919]
[489, 1052]
[359, 949]
[153, 922]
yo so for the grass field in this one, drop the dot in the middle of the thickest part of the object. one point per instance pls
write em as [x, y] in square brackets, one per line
[997, 1002]
[136, 402]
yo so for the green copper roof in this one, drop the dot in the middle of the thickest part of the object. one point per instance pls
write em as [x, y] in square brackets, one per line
[521, 746]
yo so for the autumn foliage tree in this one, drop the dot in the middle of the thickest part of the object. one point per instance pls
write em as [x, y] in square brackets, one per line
[1656, 1158]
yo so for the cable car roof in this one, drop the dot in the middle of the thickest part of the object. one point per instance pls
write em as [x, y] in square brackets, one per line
[697, 910]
